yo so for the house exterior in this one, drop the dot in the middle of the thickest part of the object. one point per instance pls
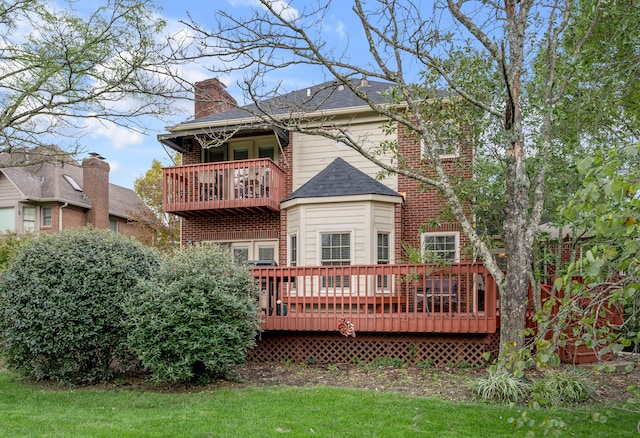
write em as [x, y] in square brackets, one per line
[315, 209]
[52, 196]
[290, 189]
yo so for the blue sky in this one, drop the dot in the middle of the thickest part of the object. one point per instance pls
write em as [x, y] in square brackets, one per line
[130, 153]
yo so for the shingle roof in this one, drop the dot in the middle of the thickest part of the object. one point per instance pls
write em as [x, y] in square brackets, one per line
[326, 96]
[340, 178]
[46, 182]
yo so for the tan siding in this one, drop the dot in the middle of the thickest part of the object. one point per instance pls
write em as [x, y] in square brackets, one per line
[314, 153]
[347, 218]
[8, 193]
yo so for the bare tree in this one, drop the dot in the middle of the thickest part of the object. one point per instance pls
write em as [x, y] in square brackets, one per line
[476, 73]
[61, 68]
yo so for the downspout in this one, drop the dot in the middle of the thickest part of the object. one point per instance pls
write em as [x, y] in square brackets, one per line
[60, 215]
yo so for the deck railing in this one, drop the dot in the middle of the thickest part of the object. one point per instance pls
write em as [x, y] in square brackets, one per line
[244, 185]
[379, 298]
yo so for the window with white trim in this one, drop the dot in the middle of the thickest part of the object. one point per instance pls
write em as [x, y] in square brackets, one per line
[383, 258]
[441, 247]
[46, 217]
[113, 225]
[335, 251]
[447, 143]
[28, 218]
[293, 250]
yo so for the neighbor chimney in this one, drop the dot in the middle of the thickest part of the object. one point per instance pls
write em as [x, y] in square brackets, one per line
[211, 98]
[95, 185]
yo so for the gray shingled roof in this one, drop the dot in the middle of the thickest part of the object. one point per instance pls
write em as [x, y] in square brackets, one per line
[340, 178]
[326, 96]
[45, 182]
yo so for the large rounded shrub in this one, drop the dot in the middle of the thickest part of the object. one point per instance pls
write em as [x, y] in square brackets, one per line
[197, 317]
[61, 304]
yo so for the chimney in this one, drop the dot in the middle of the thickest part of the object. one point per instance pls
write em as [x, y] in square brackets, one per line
[95, 185]
[211, 98]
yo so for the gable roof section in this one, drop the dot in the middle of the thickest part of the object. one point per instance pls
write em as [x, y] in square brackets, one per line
[45, 183]
[326, 96]
[340, 178]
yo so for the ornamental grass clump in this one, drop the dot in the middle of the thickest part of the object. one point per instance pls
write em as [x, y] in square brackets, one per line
[502, 386]
[562, 386]
[196, 318]
[61, 304]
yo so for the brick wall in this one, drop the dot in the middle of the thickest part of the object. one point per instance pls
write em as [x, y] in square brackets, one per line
[231, 227]
[423, 203]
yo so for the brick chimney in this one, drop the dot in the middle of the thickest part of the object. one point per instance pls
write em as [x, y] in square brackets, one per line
[211, 98]
[95, 185]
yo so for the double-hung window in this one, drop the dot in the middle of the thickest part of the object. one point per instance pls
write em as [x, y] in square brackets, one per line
[46, 217]
[446, 142]
[383, 258]
[441, 247]
[28, 218]
[335, 251]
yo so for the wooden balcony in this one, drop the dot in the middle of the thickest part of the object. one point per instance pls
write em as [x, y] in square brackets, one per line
[379, 298]
[230, 187]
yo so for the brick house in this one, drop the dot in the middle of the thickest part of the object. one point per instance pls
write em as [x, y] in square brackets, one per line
[274, 195]
[314, 208]
[51, 196]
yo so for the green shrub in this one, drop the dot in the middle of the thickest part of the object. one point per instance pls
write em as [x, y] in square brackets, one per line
[61, 304]
[10, 242]
[567, 385]
[502, 386]
[196, 317]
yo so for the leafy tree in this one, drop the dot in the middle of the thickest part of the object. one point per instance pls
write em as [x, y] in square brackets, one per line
[61, 68]
[606, 278]
[196, 317]
[477, 87]
[166, 227]
[61, 314]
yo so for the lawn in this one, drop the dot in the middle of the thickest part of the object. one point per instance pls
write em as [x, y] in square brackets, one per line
[27, 410]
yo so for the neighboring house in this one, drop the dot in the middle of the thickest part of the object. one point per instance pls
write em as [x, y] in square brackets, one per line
[52, 196]
[314, 208]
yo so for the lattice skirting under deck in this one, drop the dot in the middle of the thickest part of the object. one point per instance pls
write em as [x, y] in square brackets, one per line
[438, 350]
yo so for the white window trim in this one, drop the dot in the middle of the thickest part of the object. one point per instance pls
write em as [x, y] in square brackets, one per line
[289, 236]
[443, 234]
[425, 154]
[340, 231]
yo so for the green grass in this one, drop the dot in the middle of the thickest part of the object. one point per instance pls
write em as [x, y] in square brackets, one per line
[27, 410]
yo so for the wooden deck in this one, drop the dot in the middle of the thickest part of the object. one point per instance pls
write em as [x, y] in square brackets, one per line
[246, 186]
[379, 298]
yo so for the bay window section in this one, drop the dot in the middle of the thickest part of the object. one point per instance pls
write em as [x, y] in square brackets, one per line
[335, 251]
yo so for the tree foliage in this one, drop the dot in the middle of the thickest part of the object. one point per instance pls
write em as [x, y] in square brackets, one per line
[196, 317]
[165, 227]
[62, 68]
[61, 314]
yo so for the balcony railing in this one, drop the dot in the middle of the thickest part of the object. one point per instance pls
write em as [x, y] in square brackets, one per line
[379, 298]
[222, 188]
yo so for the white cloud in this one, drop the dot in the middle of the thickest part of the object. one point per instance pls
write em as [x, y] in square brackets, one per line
[341, 29]
[117, 136]
[281, 7]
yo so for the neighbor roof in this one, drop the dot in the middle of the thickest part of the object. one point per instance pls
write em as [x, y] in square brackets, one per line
[340, 178]
[45, 182]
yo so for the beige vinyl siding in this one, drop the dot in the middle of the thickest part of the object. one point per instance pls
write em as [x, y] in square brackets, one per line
[313, 153]
[383, 222]
[338, 218]
[361, 219]
[8, 193]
